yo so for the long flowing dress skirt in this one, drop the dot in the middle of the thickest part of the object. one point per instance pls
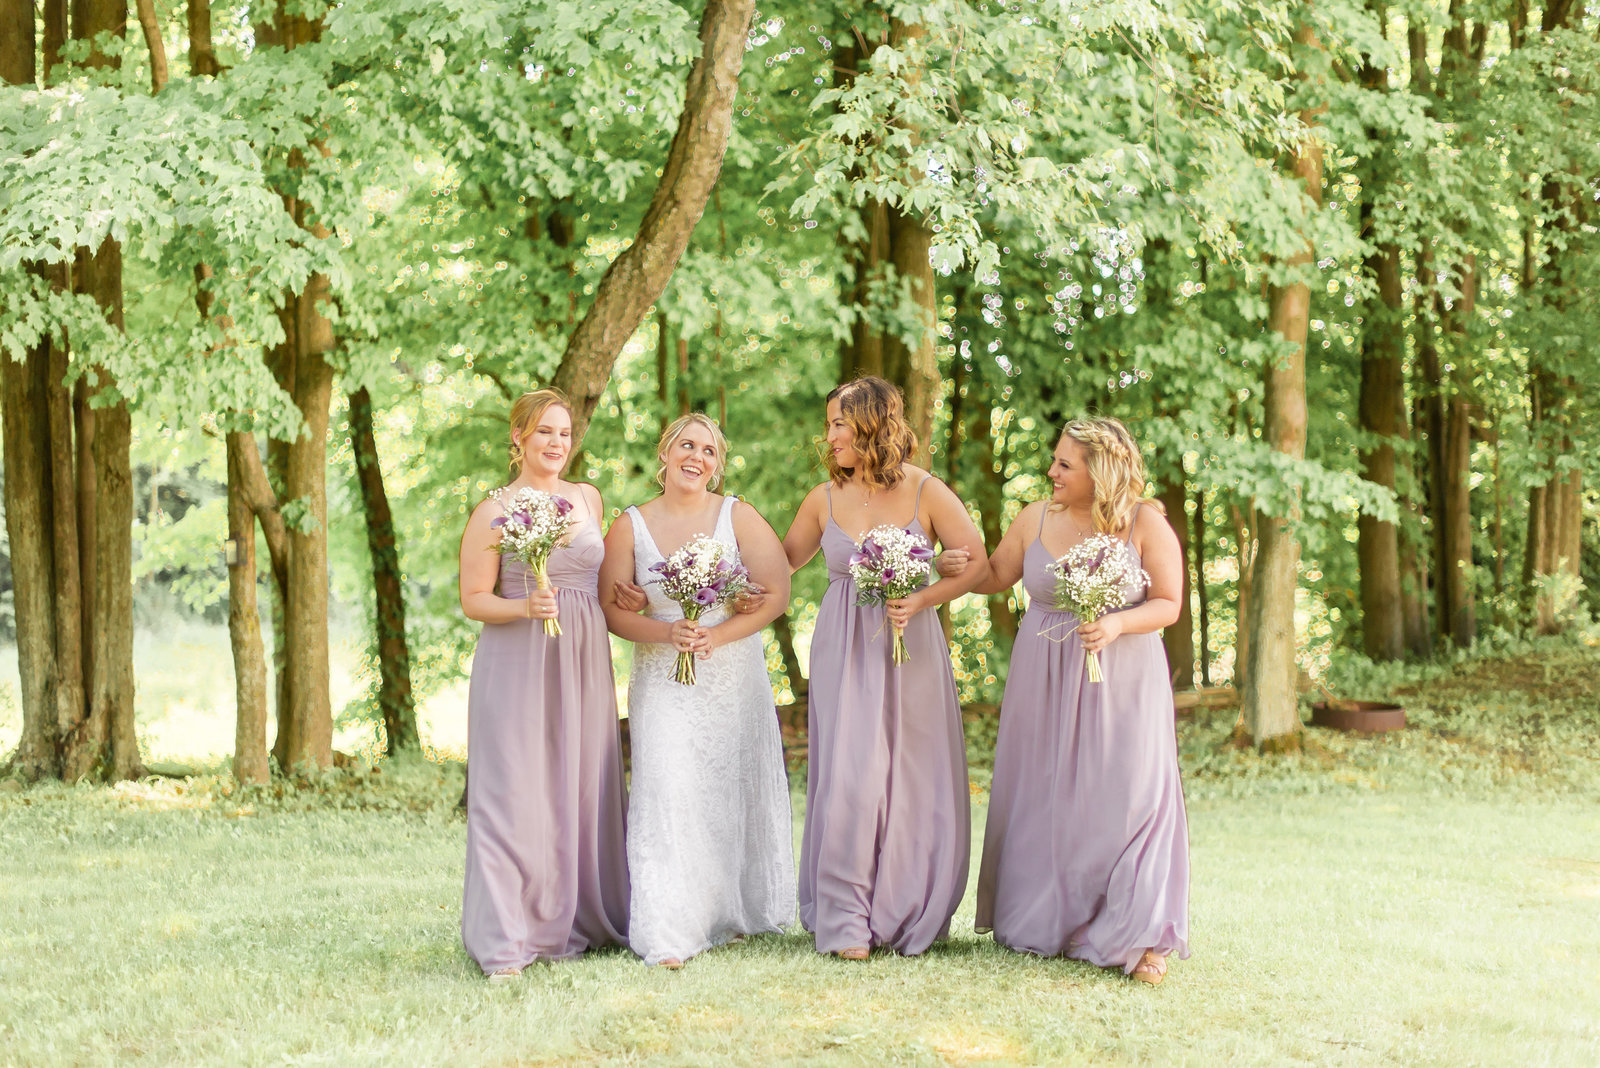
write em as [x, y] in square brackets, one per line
[710, 837]
[1086, 850]
[546, 866]
[888, 811]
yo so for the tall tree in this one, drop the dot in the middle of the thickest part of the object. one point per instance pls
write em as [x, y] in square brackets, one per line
[395, 700]
[1382, 402]
[637, 276]
[1270, 696]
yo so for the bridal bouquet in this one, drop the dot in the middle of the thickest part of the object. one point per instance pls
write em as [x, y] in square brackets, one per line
[533, 525]
[700, 576]
[890, 562]
[1092, 579]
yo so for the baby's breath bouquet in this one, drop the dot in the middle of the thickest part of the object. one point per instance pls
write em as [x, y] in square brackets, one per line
[532, 525]
[890, 562]
[1092, 579]
[700, 576]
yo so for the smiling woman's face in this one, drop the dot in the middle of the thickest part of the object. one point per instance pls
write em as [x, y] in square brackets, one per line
[547, 442]
[1070, 483]
[691, 460]
[841, 439]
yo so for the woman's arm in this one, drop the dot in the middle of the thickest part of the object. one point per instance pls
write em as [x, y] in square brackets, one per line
[764, 558]
[1005, 566]
[1163, 561]
[805, 533]
[480, 570]
[618, 566]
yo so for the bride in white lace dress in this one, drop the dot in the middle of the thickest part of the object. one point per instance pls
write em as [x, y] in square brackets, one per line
[710, 843]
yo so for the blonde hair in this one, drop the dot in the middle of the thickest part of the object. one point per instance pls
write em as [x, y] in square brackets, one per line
[1115, 467]
[675, 431]
[875, 412]
[526, 411]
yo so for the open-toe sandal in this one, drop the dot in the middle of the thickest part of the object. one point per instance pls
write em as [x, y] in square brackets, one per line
[1151, 969]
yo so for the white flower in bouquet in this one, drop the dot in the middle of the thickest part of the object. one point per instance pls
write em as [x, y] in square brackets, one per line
[890, 563]
[1092, 579]
[700, 576]
[534, 523]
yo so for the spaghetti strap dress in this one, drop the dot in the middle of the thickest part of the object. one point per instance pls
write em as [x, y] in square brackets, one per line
[1086, 848]
[883, 858]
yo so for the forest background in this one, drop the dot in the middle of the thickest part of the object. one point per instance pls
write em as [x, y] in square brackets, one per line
[273, 275]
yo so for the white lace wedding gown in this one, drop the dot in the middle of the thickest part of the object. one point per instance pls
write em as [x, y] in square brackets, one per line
[710, 844]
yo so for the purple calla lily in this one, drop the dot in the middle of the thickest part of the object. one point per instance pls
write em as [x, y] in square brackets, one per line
[563, 506]
[921, 552]
[497, 522]
[705, 596]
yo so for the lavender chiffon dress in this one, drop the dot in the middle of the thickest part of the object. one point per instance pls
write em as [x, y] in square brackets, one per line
[883, 859]
[546, 871]
[1086, 851]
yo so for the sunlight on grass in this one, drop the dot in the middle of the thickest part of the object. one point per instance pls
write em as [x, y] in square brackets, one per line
[1425, 898]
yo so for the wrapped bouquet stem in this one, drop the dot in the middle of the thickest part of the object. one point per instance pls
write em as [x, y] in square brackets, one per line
[890, 563]
[1094, 577]
[531, 527]
[700, 576]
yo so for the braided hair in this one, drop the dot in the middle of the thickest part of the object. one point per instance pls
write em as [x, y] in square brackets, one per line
[1115, 467]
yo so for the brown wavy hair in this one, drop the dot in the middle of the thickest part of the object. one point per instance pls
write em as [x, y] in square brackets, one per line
[525, 412]
[671, 435]
[875, 412]
[1115, 467]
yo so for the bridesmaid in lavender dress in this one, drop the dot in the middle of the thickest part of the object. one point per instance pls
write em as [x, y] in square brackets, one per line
[1086, 852]
[546, 863]
[887, 832]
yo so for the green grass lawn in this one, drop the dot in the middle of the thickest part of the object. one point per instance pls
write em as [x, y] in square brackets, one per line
[1430, 898]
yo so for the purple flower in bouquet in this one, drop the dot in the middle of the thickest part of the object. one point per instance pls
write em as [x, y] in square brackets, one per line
[1091, 580]
[532, 524]
[700, 577]
[890, 563]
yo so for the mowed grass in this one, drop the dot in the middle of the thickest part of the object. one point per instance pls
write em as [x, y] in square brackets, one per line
[1424, 899]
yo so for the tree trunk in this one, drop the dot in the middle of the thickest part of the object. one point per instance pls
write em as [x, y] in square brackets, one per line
[1454, 476]
[791, 662]
[1179, 638]
[1245, 545]
[1201, 588]
[1270, 700]
[30, 523]
[105, 487]
[637, 277]
[913, 363]
[1381, 404]
[305, 715]
[306, 736]
[202, 55]
[1555, 514]
[685, 404]
[663, 367]
[394, 656]
[864, 256]
[989, 495]
[1414, 574]
[244, 622]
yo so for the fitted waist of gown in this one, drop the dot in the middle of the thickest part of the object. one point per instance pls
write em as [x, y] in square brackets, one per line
[517, 581]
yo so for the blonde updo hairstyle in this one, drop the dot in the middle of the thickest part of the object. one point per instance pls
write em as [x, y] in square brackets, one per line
[1115, 467]
[526, 412]
[670, 436]
[875, 412]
